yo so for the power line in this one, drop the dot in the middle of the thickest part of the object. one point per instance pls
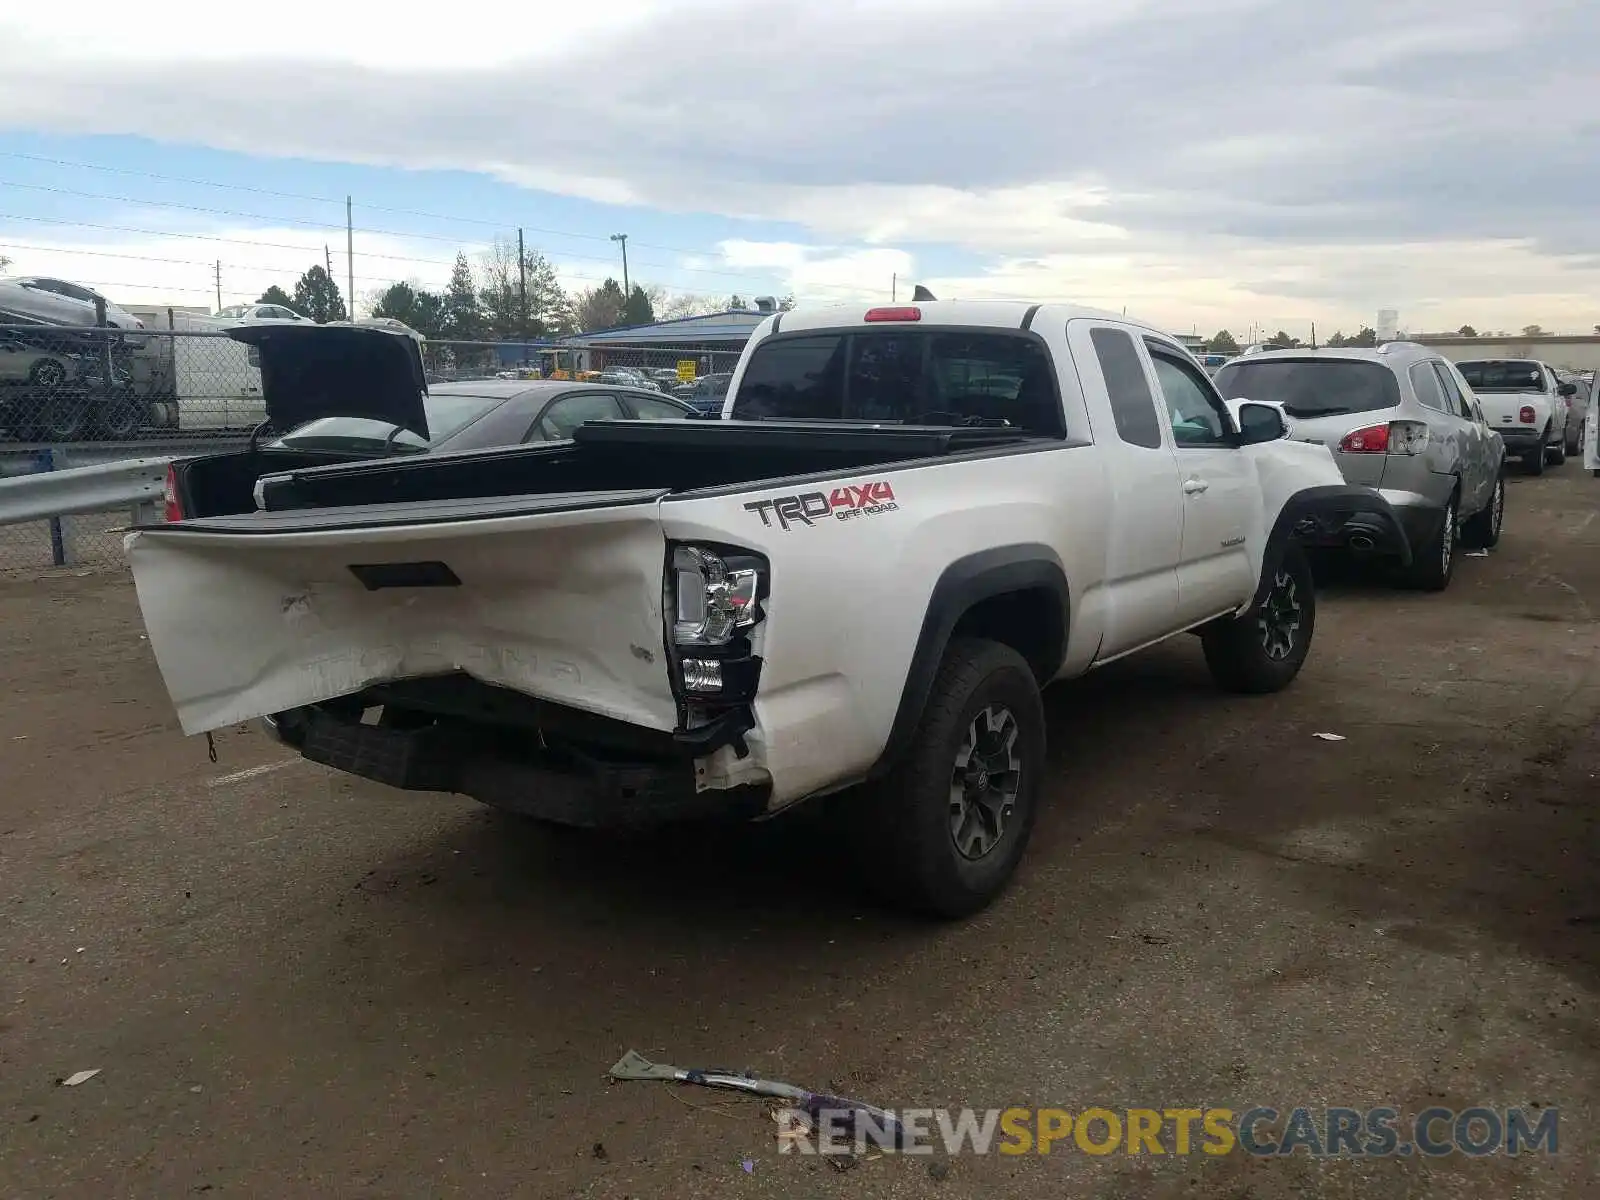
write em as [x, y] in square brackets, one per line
[837, 289]
[260, 191]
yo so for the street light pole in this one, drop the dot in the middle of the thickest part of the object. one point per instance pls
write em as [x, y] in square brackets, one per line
[623, 239]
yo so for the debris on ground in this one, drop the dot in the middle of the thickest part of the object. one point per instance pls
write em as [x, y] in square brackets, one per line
[78, 1077]
[860, 1119]
[599, 1152]
[1329, 737]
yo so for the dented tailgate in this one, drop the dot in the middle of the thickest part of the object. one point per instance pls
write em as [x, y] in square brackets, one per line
[254, 615]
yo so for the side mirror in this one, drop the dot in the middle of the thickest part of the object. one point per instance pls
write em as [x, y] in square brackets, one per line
[1567, 389]
[1260, 423]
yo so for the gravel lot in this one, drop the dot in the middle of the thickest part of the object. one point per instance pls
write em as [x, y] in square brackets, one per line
[300, 985]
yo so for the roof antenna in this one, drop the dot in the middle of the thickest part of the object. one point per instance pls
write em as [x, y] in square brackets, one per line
[921, 295]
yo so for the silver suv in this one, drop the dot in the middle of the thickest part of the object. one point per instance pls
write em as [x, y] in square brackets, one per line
[1400, 419]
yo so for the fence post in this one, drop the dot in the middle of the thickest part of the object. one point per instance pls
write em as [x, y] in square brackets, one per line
[46, 461]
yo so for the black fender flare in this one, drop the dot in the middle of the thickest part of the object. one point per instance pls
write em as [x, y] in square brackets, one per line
[1329, 502]
[966, 582]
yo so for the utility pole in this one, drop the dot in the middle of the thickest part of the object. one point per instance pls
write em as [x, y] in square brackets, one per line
[894, 287]
[623, 238]
[522, 288]
[350, 257]
[219, 284]
[327, 259]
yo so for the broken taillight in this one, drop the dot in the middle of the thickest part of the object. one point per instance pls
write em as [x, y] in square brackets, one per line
[171, 507]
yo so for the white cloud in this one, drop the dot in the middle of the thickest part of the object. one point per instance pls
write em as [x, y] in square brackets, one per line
[1440, 157]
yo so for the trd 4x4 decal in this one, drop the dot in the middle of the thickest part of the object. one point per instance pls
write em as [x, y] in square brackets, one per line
[841, 504]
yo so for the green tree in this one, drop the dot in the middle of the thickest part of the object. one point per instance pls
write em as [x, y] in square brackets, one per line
[1223, 342]
[1338, 339]
[461, 316]
[1466, 331]
[601, 307]
[1366, 337]
[410, 305]
[549, 309]
[638, 309]
[1532, 331]
[787, 303]
[317, 296]
[276, 295]
[736, 302]
[1282, 340]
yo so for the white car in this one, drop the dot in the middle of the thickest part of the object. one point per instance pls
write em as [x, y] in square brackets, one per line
[248, 314]
[58, 302]
[910, 520]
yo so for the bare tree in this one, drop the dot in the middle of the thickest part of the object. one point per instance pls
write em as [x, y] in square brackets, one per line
[502, 279]
[674, 306]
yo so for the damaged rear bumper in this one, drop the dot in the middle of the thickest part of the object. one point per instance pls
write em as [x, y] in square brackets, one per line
[1366, 521]
[639, 780]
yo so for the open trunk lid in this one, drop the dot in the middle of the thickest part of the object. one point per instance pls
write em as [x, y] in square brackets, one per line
[257, 614]
[310, 371]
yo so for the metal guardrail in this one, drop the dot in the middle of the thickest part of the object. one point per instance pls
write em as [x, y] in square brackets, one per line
[134, 486]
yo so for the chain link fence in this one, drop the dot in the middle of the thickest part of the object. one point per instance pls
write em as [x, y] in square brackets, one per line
[76, 396]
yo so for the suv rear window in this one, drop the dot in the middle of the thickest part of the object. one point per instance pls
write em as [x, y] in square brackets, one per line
[1308, 388]
[912, 377]
[1490, 376]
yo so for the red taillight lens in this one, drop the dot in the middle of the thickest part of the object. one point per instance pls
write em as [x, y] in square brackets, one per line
[1397, 437]
[1374, 439]
[893, 314]
[1526, 415]
[171, 509]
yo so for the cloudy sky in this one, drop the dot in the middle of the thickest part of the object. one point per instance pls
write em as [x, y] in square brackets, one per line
[1229, 163]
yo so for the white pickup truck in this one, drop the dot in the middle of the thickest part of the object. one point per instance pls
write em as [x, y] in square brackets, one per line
[1526, 404]
[909, 520]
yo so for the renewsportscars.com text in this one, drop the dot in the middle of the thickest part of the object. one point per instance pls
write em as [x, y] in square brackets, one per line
[1261, 1131]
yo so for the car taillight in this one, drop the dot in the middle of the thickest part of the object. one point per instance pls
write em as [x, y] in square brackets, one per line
[172, 509]
[1526, 414]
[1374, 439]
[1397, 437]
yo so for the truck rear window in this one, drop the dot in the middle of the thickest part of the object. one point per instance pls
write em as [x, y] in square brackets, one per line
[1312, 387]
[1488, 376]
[911, 377]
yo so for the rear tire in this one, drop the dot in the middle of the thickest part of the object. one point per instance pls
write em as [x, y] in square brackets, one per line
[64, 418]
[1534, 461]
[1433, 564]
[1557, 453]
[945, 831]
[1481, 531]
[1262, 651]
[121, 418]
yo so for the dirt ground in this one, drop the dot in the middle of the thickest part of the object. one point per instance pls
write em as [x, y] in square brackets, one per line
[295, 984]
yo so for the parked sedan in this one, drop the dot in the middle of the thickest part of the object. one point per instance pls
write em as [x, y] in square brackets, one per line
[706, 394]
[43, 368]
[59, 302]
[480, 413]
[1399, 418]
[242, 313]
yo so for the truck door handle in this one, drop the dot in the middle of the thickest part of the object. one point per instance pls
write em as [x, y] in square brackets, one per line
[1193, 487]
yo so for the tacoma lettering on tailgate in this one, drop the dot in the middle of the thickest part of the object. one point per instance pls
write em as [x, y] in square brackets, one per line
[841, 504]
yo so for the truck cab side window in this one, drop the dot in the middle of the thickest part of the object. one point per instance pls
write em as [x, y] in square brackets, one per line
[1132, 405]
[1198, 417]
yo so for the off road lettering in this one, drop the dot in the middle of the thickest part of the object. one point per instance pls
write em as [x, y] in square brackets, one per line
[841, 504]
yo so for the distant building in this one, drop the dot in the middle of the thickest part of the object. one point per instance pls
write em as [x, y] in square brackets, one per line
[1574, 352]
[720, 334]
